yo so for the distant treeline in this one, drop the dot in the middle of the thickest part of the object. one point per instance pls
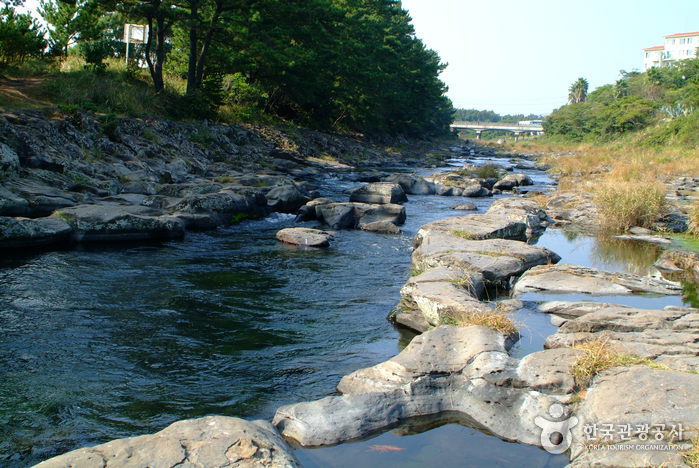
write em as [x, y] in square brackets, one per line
[475, 115]
[667, 96]
[339, 64]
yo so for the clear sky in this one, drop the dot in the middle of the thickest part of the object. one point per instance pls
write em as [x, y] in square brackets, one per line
[520, 56]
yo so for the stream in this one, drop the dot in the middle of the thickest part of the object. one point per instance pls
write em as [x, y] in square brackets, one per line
[101, 342]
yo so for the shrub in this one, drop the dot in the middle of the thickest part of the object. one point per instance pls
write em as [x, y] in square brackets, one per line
[96, 52]
[623, 204]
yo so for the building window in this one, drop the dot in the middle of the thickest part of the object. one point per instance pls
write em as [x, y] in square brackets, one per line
[689, 40]
[682, 41]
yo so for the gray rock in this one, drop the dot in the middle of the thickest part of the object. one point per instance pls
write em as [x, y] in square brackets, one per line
[11, 204]
[286, 199]
[305, 237]
[445, 369]
[467, 206]
[640, 238]
[213, 441]
[379, 193]
[119, 222]
[359, 215]
[25, 232]
[474, 191]
[412, 184]
[523, 210]
[578, 279]
[636, 396]
[381, 227]
[666, 336]
[9, 162]
[511, 181]
[573, 309]
[475, 227]
[680, 264]
[497, 260]
[224, 205]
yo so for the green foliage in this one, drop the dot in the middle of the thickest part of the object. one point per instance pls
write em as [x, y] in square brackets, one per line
[578, 91]
[475, 115]
[96, 52]
[634, 102]
[20, 37]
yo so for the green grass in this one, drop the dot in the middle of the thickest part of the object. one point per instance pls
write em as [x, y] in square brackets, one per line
[463, 234]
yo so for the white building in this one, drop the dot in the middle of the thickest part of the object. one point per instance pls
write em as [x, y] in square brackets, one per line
[678, 46]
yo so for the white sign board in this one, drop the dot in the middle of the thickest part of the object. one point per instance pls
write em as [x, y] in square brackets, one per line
[135, 33]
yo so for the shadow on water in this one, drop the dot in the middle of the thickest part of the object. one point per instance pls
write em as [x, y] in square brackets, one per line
[449, 440]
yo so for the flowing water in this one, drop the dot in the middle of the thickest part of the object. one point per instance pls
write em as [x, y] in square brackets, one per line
[105, 342]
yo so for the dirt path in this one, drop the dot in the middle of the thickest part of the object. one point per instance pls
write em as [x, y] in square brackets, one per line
[21, 92]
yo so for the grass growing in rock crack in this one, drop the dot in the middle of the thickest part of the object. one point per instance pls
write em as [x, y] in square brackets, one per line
[625, 204]
[463, 234]
[494, 320]
[691, 456]
[600, 355]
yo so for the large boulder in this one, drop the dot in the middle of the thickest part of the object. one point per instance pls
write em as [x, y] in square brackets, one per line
[379, 193]
[566, 278]
[524, 210]
[213, 441]
[108, 222]
[225, 205]
[305, 237]
[359, 215]
[412, 184]
[11, 204]
[25, 232]
[510, 181]
[286, 199]
[9, 162]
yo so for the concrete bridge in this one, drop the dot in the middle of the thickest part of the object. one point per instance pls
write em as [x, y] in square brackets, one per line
[516, 129]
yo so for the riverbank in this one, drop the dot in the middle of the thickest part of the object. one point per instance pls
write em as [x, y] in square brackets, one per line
[460, 253]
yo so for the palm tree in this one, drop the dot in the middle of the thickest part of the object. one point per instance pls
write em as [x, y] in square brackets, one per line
[578, 91]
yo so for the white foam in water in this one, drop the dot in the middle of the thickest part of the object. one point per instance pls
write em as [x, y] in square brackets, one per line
[277, 218]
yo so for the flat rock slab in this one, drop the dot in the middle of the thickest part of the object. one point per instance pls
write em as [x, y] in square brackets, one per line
[120, 222]
[636, 396]
[566, 278]
[445, 369]
[305, 237]
[667, 336]
[475, 227]
[467, 206]
[496, 259]
[645, 238]
[213, 441]
[25, 232]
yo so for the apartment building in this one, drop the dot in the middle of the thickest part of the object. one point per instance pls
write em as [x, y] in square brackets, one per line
[676, 47]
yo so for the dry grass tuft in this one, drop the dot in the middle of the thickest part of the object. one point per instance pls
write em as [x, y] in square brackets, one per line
[694, 218]
[600, 355]
[495, 320]
[691, 456]
[623, 204]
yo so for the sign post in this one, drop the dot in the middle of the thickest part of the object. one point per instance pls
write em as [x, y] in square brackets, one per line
[135, 33]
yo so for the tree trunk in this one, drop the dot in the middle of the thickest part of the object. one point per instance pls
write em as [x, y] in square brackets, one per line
[193, 46]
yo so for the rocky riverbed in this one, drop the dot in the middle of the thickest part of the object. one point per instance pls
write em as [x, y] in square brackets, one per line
[464, 267]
